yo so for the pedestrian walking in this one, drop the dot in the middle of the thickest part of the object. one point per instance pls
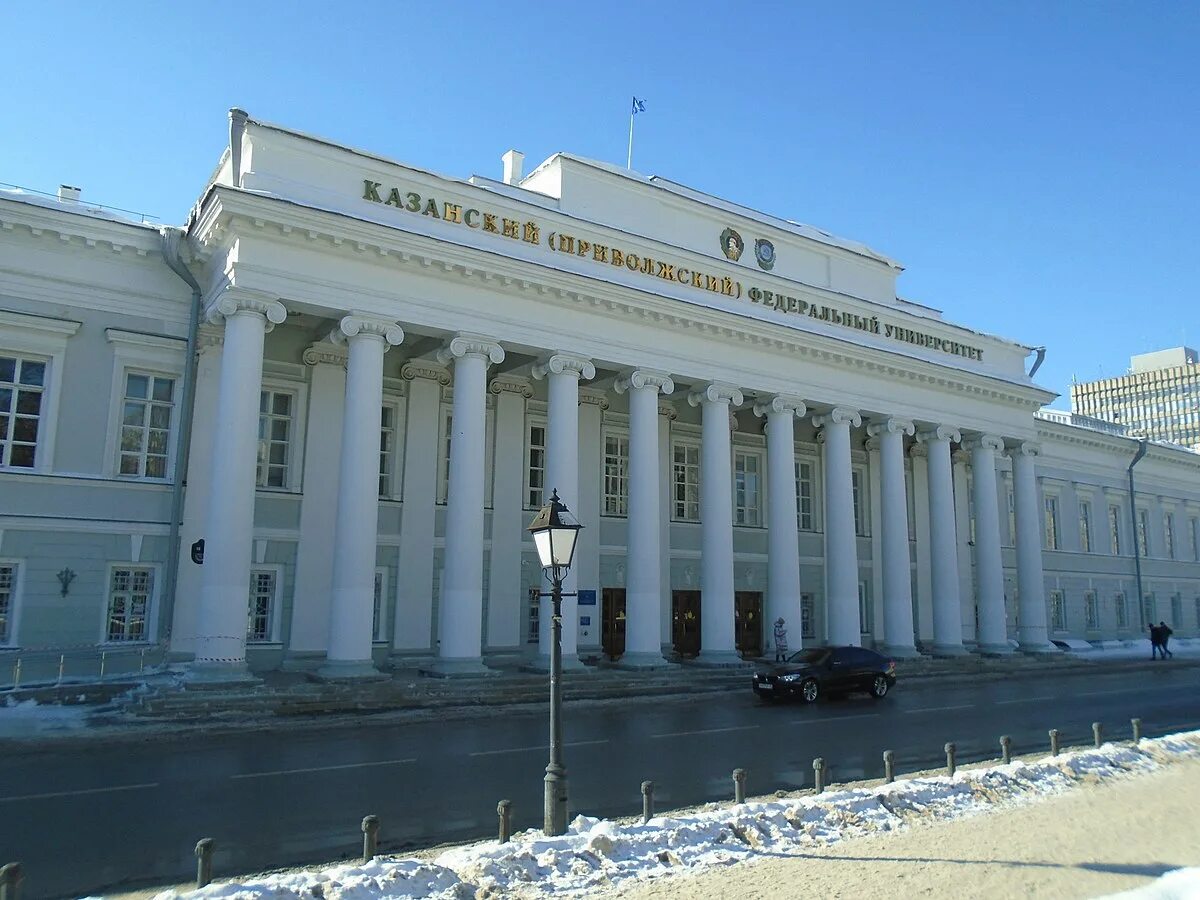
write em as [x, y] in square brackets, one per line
[1164, 635]
[781, 647]
[1155, 641]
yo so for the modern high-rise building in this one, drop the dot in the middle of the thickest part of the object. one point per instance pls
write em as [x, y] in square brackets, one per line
[1160, 396]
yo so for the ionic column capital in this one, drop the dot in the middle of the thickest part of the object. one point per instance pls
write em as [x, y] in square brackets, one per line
[918, 451]
[938, 433]
[232, 301]
[325, 353]
[593, 398]
[564, 364]
[509, 385]
[873, 444]
[411, 371]
[890, 425]
[781, 403]
[209, 337]
[667, 411]
[464, 344]
[839, 415]
[716, 392]
[642, 378]
[1026, 448]
[357, 324]
[985, 442]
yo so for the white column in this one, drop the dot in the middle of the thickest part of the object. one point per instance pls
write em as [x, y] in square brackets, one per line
[943, 543]
[1031, 587]
[508, 515]
[562, 372]
[993, 622]
[666, 415]
[920, 493]
[643, 577]
[356, 527]
[962, 537]
[841, 548]
[460, 618]
[783, 539]
[412, 634]
[309, 639]
[897, 572]
[592, 405]
[225, 584]
[717, 645]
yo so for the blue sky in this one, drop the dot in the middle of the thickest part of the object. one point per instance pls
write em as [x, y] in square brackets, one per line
[1032, 164]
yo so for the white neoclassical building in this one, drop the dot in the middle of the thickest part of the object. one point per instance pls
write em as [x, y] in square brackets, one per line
[308, 429]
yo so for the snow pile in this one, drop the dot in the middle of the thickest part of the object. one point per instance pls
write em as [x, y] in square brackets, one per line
[22, 718]
[597, 855]
[1178, 884]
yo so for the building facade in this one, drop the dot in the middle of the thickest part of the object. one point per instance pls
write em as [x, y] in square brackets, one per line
[1160, 397]
[308, 429]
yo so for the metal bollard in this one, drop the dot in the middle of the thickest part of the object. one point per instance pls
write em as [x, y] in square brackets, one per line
[10, 881]
[17, 674]
[1054, 742]
[1006, 748]
[951, 758]
[1098, 733]
[204, 855]
[647, 801]
[142, 662]
[739, 785]
[370, 830]
[1137, 730]
[819, 774]
[62, 664]
[103, 663]
[889, 766]
[504, 811]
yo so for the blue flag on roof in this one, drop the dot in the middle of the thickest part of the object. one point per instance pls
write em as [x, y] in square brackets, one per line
[638, 106]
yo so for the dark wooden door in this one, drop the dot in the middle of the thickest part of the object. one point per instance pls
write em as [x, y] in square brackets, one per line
[747, 623]
[685, 622]
[612, 633]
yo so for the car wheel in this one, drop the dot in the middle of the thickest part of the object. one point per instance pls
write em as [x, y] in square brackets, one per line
[879, 687]
[810, 690]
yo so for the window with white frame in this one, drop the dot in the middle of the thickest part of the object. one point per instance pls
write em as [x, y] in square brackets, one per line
[1085, 526]
[1114, 528]
[685, 482]
[147, 417]
[22, 392]
[261, 610]
[130, 590]
[1149, 608]
[807, 612]
[864, 607]
[1177, 610]
[8, 601]
[1091, 610]
[1169, 535]
[1058, 611]
[1143, 535]
[276, 413]
[616, 474]
[1121, 606]
[387, 451]
[805, 512]
[747, 493]
[379, 606]
[1051, 508]
[859, 496]
[535, 448]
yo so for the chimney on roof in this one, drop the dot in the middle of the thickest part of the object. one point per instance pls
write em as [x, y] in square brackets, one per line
[68, 193]
[513, 161]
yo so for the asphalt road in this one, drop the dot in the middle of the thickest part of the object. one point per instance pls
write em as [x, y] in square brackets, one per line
[86, 819]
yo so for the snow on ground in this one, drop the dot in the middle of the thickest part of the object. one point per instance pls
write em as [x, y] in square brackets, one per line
[1180, 884]
[1185, 648]
[596, 856]
[21, 718]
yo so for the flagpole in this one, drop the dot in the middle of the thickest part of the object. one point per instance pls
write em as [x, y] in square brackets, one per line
[629, 158]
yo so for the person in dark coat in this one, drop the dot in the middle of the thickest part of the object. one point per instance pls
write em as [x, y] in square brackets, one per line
[1155, 642]
[1164, 635]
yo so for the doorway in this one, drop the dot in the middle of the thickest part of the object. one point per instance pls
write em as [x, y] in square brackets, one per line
[612, 629]
[747, 623]
[685, 623]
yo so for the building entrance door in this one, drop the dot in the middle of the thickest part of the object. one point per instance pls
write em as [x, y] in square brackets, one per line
[747, 623]
[685, 623]
[612, 632]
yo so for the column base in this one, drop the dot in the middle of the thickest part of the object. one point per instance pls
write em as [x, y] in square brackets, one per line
[349, 670]
[901, 652]
[719, 659]
[541, 665]
[641, 661]
[949, 651]
[218, 675]
[1046, 649]
[302, 661]
[468, 667]
[994, 650]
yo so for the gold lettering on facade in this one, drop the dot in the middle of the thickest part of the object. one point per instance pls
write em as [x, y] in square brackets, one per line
[467, 218]
[371, 190]
[431, 209]
[510, 228]
[599, 253]
[530, 233]
[489, 223]
[393, 198]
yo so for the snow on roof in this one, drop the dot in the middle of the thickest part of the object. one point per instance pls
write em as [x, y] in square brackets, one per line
[78, 207]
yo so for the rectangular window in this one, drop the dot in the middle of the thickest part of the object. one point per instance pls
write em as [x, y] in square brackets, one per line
[8, 599]
[387, 447]
[807, 624]
[129, 603]
[534, 622]
[1114, 529]
[536, 487]
[1149, 608]
[685, 482]
[1177, 610]
[1085, 526]
[616, 475]
[864, 608]
[1194, 528]
[1012, 519]
[859, 497]
[1169, 535]
[1122, 610]
[378, 610]
[262, 606]
[1091, 607]
[1143, 535]
[146, 418]
[275, 411]
[1051, 505]
[805, 520]
[444, 457]
[1198, 613]
[746, 493]
[22, 387]
[1058, 611]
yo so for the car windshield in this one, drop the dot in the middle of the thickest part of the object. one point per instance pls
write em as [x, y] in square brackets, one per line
[812, 657]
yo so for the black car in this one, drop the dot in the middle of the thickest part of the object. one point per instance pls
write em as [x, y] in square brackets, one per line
[814, 671]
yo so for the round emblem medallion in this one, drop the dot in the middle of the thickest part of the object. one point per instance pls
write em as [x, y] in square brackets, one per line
[764, 252]
[731, 244]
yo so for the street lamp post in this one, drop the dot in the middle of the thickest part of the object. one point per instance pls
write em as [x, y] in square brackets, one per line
[554, 531]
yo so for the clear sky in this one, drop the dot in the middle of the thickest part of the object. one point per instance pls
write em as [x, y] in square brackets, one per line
[1032, 164]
